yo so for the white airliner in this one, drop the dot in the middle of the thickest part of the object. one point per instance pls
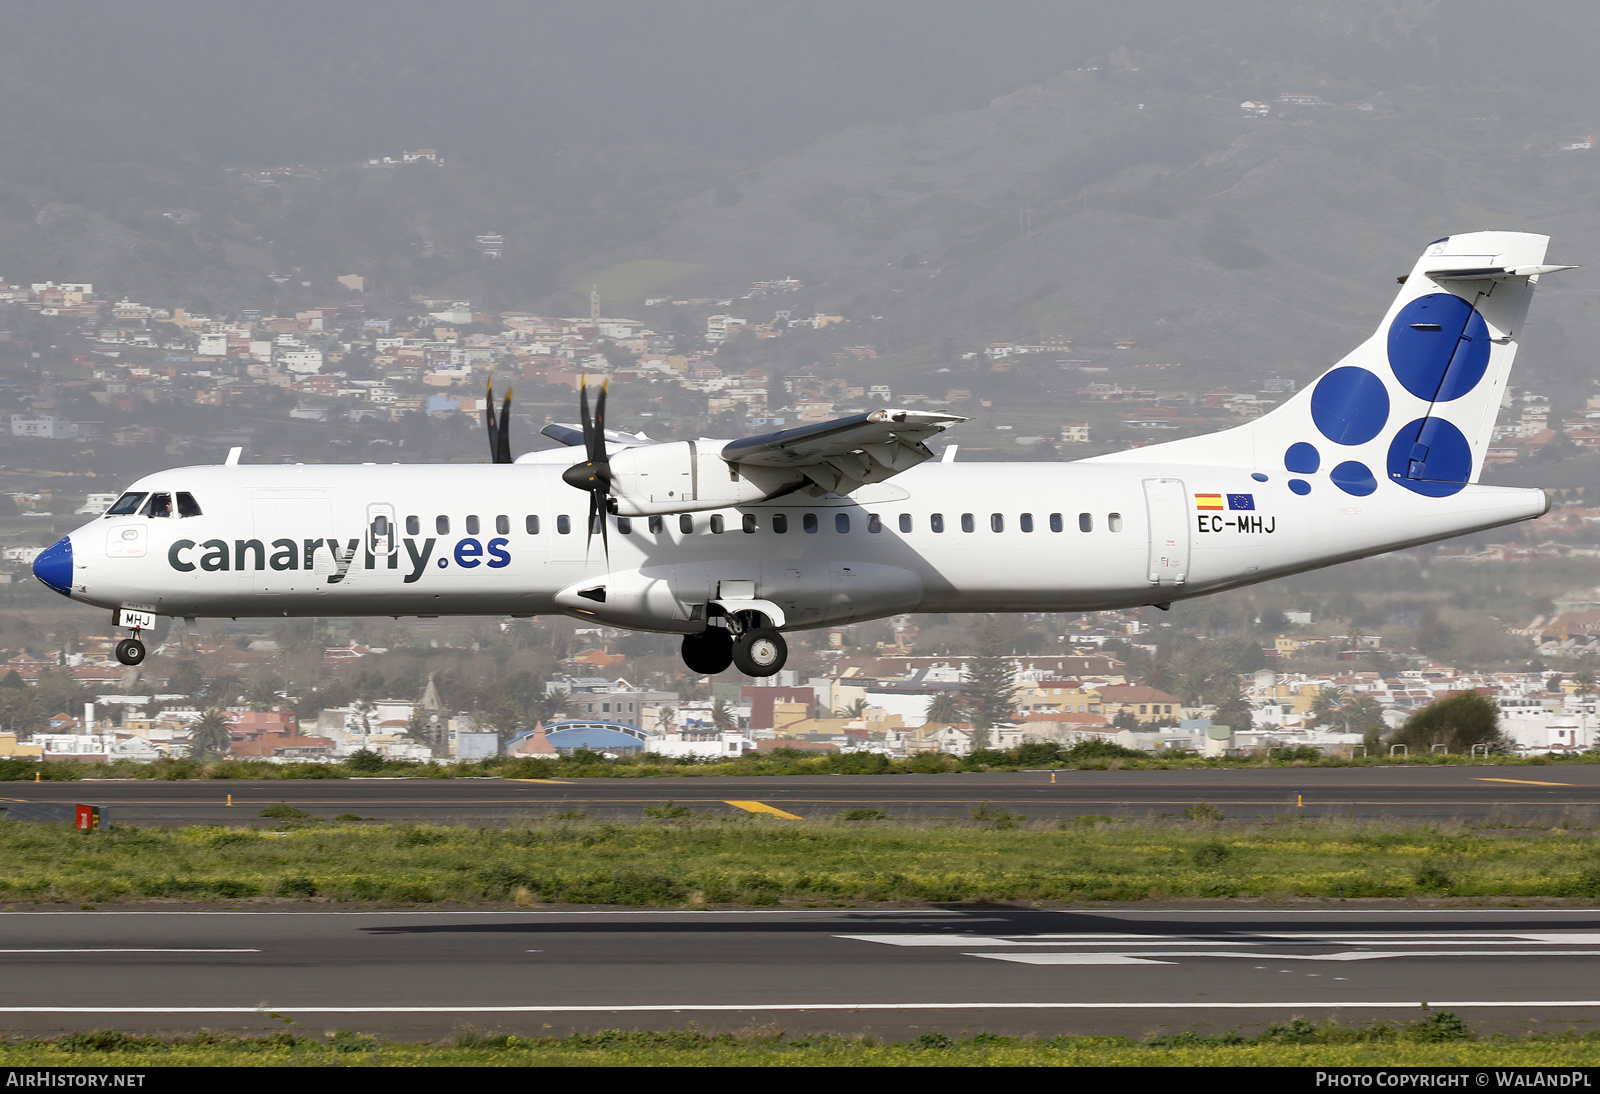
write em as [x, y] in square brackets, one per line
[731, 543]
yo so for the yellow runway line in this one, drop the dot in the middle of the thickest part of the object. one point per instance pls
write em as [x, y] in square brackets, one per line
[763, 807]
[1521, 782]
[555, 782]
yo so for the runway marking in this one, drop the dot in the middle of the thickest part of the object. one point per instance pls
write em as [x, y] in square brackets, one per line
[762, 807]
[722, 1008]
[1255, 938]
[1523, 782]
[553, 782]
[1165, 957]
[130, 949]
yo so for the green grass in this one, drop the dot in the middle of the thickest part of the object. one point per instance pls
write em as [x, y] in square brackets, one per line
[751, 861]
[1440, 1038]
[782, 762]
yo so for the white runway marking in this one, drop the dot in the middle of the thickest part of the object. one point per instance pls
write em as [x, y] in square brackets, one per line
[129, 949]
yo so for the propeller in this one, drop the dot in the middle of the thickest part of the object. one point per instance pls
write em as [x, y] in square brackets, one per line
[499, 431]
[593, 475]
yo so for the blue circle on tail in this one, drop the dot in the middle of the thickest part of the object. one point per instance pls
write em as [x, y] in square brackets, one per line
[1430, 456]
[1302, 458]
[1350, 405]
[1354, 478]
[1438, 347]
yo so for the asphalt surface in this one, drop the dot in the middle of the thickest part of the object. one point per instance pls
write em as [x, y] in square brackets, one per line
[1122, 969]
[1517, 794]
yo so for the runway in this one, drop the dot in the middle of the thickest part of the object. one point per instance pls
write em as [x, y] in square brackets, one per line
[1521, 794]
[1129, 970]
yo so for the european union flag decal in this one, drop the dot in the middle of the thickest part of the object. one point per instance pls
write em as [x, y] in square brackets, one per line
[1241, 501]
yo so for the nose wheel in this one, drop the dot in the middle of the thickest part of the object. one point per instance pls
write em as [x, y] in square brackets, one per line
[760, 651]
[130, 651]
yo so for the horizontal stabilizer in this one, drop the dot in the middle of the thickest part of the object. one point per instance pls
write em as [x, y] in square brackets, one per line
[1495, 273]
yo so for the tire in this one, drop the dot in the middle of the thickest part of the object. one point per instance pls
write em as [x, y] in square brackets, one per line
[709, 652]
[760, 652]
[130, 651]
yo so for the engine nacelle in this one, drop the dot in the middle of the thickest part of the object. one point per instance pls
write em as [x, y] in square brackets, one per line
[793, 595]
[686, 477]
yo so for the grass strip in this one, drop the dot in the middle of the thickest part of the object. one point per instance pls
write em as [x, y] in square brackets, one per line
[753, 861]
[1439, 1039]
[585, 764]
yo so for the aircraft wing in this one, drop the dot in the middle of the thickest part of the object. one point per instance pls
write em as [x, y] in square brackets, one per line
[572, 435]
[846, 453]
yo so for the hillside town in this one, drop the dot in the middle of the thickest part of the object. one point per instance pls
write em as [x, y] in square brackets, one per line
[890, 700]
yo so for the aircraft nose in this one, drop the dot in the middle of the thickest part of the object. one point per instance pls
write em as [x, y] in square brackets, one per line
[54, 566]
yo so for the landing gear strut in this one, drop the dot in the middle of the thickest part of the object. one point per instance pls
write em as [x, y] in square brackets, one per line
[130, 651]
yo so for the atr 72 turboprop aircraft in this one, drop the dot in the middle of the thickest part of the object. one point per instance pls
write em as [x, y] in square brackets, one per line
[732, 543]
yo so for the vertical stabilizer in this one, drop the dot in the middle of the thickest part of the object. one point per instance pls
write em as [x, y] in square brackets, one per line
[1414, 405]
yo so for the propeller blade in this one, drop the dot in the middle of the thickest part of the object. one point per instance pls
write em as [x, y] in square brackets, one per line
[502, 452]
[488, 420]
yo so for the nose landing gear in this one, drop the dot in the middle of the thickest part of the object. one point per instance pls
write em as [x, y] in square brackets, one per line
[130, 651]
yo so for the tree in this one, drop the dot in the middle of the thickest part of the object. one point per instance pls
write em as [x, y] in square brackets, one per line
[186, 678]
[989, 684]
[944, 709]
[211, 737]
[855, 710]
[721, 715]
[1458, 722]
[1235, 712]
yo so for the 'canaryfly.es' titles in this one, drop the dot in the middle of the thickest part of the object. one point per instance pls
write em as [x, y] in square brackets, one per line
[733, 543]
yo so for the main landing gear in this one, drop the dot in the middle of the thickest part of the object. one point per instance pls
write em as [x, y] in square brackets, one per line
[754, 648]
[130, 651]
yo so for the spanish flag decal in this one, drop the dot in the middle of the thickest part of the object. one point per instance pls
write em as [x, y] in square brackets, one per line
[1208, 501]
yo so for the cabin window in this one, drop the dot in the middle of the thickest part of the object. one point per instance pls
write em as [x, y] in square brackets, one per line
[997, 522]
[625, 526]
[441, 525]
[1085, 522]
[1025, 522]
[159, 505]
[716, 524]
[905, 522]
[414, 525]
[128, 503]
[187, 506]
[564, 525]
[967, 523]
[936, 522]
[841, 522]
[780, 523]
[874, 524]
[749, 523]
[657, 526]
[597, 524]
[529, 522]
[1055, 522]
[809, 522]
[502, 526]
[1114, 522]
[472, 526]
[685, 523]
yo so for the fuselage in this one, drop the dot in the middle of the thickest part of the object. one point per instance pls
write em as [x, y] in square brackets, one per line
[425, 540]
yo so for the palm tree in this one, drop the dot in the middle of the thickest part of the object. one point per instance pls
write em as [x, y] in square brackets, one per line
[666, 717]
[855, 710]
[210, 738]
[721, 716]
[944, 709]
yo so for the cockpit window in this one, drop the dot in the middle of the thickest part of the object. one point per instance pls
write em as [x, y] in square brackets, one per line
[128, 503]
[187, 506]
[159, 505]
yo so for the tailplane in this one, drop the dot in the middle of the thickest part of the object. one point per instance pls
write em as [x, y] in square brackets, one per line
[1414, 405]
